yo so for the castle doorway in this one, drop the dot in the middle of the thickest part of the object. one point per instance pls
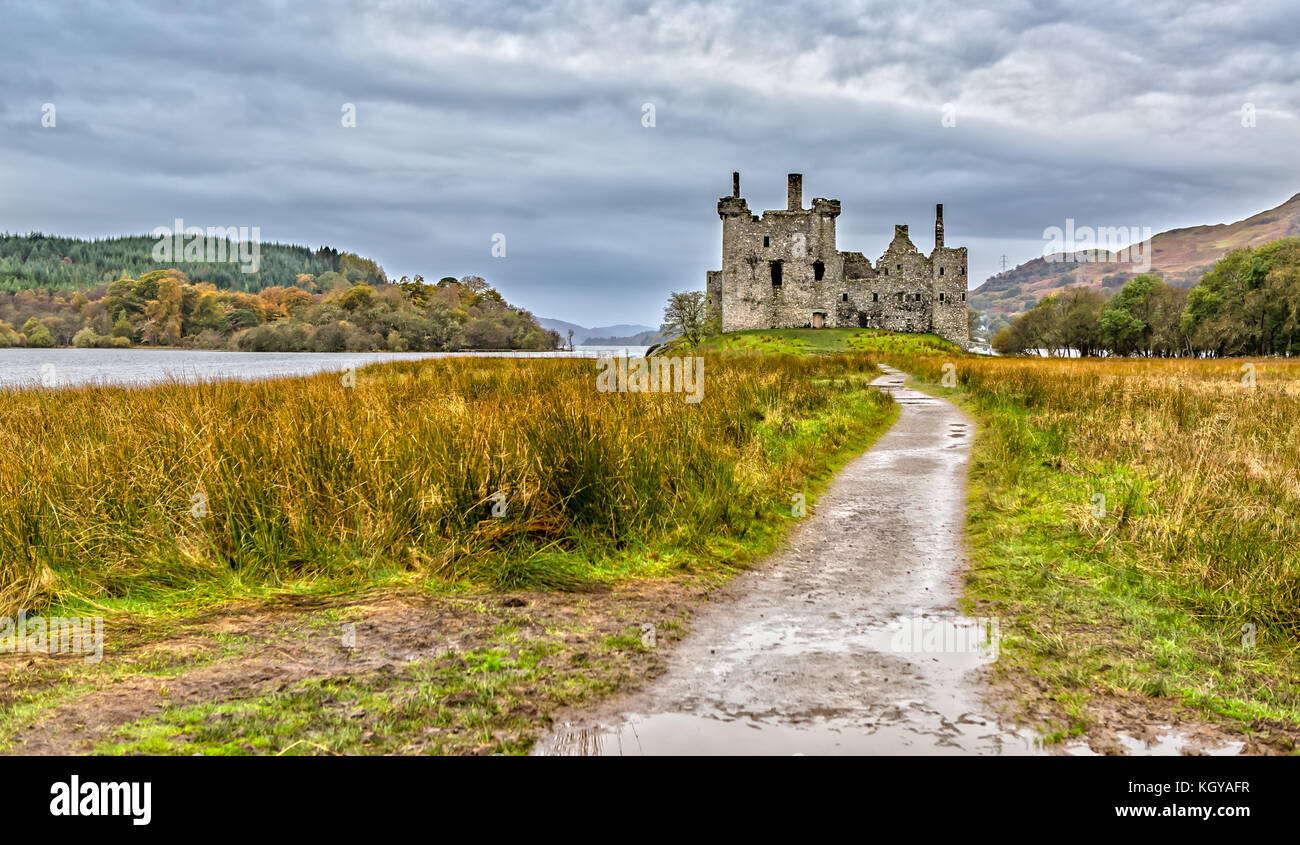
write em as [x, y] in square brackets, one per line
[819, 320]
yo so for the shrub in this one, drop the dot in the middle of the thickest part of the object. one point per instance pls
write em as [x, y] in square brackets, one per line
[87, 339]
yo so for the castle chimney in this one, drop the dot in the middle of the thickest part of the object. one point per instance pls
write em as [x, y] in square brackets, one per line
[794, 192]
[735, 184]
[938, 225]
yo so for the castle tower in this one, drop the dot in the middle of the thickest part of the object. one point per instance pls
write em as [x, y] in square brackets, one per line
[950, 317]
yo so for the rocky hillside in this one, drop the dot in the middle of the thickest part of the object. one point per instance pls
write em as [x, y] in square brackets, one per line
[1181, 256]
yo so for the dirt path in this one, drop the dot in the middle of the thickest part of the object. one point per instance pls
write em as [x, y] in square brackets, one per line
[849, 640]
[807, 653]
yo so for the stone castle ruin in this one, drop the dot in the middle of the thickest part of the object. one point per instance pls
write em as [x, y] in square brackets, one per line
[783, 270]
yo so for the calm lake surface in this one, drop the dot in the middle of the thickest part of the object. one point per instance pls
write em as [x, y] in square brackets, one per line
[71, 367]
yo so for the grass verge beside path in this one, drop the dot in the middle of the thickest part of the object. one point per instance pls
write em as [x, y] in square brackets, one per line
[371, 505]
[1132, 523]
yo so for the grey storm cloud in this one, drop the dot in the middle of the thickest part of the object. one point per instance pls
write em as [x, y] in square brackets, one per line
[525, 119]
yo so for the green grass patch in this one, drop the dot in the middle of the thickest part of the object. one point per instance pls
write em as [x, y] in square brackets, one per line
[825, 342]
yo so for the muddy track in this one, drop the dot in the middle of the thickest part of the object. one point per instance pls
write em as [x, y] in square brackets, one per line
[285, 645]
[802, 655]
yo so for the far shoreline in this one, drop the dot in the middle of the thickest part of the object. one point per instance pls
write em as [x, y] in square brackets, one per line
[69, 367]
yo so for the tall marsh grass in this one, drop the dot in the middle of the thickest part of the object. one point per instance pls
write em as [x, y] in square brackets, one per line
[1200, 471]
[183, 489]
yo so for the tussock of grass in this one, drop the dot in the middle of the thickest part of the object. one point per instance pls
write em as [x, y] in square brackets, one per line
[309, 484]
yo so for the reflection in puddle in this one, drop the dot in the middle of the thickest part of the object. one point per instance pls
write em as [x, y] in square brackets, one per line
[687, 734]
[1167, 742]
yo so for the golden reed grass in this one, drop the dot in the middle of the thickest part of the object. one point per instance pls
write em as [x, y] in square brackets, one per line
[139, 493]
[1201, 467]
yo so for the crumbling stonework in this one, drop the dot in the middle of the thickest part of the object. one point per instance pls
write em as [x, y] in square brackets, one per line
[783, 270]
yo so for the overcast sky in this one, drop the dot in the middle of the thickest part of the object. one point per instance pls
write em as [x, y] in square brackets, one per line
[526, 119]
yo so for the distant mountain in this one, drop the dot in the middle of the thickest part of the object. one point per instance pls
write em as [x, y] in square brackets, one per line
[620, 332]
[648, 338]
[1181, 256]
[579, 333]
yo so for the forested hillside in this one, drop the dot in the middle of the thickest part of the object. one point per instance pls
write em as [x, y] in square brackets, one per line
[68, 292]
[1247, 304]
[56, 263]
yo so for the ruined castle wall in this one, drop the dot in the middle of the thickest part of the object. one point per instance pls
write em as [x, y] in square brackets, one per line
[896, 293]
[713, 294]
[887, 302]
[949, 283]
[799, 241]
[857, 266]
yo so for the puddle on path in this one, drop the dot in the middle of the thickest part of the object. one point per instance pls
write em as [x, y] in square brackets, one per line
[1166, 742]
[685, 734]
[689, 734]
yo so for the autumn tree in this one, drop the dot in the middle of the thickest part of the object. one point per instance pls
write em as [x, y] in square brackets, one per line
[686, 315]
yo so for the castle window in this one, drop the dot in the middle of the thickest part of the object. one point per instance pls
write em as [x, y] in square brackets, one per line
[940, 271]
[941, 296]
[776, 274]
[963, 296]
[963, 271]
[767, 241]
[900, 267]
[844, 297]
[819, 270]
[875, 297]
